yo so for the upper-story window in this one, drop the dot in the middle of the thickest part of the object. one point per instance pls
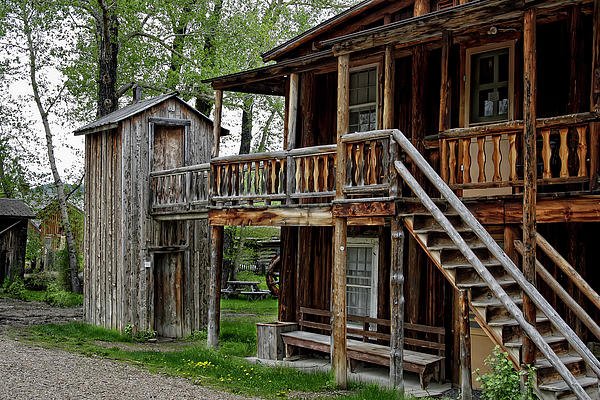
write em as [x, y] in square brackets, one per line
[490, 83]
[363, 100]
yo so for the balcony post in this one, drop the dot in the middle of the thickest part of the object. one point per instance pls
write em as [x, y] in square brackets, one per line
[292, 118]
[217, 123]
[595, 99]
[529, 156]
[214, 291]
[339, 259]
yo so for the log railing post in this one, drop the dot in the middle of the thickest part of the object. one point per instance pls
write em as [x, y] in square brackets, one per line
[339, 258]
[388, 118]
[292, 116]
[214, 292]
[216, 137]
[465, 347]
[530, 174]
[397, 307]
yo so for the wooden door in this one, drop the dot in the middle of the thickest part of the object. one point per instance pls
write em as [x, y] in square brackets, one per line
[168, 147]
[168, 294]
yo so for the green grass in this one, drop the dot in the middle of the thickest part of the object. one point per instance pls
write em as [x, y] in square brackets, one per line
[260, 308]
[59, 298]
[252, 277]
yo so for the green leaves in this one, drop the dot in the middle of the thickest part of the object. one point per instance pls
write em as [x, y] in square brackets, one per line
[502, 381]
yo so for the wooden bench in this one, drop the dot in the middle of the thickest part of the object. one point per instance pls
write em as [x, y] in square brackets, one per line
[417, 353]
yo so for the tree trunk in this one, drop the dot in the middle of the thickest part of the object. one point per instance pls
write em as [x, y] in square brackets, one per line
[107, 27]
[203, 104]
[62, 199]
[247, 115]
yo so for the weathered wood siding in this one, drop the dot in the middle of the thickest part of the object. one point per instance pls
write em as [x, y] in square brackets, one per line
[121, 237]
[12, 248]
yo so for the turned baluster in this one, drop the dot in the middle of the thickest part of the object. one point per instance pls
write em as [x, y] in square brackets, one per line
[481, 159]
[360, 170]
[316, 174]
[512, 156]
[218, 180]
[496, 158]
[325, 172]
[564, 153]
[306, 161]
[452, 160]
[546, 153]
[582, 150]
[298, 174]
[466, 144]
[281, 176]
[274, 188]
[444, 159]
[349, 163]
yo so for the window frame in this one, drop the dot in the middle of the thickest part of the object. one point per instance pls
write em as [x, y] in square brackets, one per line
[360, 68]
[470, 52]
[373, 243]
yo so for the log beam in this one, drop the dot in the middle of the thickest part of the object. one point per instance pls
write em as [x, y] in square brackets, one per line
[339, 304]
[301, 216]
[530, 181]
[214, 293]
[388, 89]
[444, 122]
[397, 308]
[342, 123]
[292, 118]
[466, 383]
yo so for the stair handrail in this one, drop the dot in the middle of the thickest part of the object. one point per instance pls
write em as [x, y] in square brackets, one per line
[568, 269]
[507, 263]
[556, 287]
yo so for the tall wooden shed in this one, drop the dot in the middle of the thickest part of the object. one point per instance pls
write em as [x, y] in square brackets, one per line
[14, 215]
[140, 269]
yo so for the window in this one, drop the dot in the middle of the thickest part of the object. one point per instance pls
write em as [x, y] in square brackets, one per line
[363, 100]
[490, 83]
[361, 276]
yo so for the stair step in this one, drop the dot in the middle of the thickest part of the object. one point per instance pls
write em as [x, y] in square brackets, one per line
[512, 321]
[567, 358]
[494, 301]
[561, 385]
[459, 264]
[503, 281]
[550, 339]
[452, 246]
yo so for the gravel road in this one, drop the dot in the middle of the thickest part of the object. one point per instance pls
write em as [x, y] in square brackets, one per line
[30, 372]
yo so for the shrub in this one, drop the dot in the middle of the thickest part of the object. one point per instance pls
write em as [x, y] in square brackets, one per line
[37, 281]
[139, 336]
[502, 382]
[15, 289]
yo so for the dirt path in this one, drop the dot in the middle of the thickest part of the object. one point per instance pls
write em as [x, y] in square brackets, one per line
[30, 372]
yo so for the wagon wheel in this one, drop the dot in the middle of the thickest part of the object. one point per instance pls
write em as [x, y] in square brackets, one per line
[272, 277]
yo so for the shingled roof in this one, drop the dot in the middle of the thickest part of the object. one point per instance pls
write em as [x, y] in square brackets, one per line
[14, 208]
[135, 108]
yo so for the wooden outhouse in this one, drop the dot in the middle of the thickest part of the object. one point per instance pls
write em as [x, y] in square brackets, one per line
[14, 216]
[140, 269]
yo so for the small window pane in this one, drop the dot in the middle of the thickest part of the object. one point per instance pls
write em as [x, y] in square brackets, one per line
[486, 70]
[363, 79]
[503, 67]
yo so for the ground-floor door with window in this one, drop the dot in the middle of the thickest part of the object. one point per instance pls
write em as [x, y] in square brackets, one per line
[361, 276]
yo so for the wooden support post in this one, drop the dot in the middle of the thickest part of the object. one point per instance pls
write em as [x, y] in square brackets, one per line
[511, 233]
[216, 138]
[339, 355]
[595, 93]
[465, 347]
[444, 122]
[388, 89]
[342, 123]
[214, 291]
[421, 7]
[595, 98]
[397, 307]
[339, 304]
[530, 189]
[292, 117]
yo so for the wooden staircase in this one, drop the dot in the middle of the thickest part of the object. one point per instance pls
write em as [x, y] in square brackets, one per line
[489, 311]
[470, 259]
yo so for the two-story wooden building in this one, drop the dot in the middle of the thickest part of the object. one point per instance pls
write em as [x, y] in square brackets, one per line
[427, 145]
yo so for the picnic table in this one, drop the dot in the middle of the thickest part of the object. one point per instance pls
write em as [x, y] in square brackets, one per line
[248, 288]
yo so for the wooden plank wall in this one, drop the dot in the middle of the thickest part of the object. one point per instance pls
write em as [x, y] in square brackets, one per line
[119, 231]
[12, 249]
[102, 239]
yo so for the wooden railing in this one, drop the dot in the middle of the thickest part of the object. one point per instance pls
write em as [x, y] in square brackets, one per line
[180, 187]
[312, 172]
[248, 178]
[491, 155]
[367, 163]
[572, 276]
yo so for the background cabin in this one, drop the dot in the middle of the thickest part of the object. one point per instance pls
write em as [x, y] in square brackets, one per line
[139, 269]
[14, 217]
[51, 232]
